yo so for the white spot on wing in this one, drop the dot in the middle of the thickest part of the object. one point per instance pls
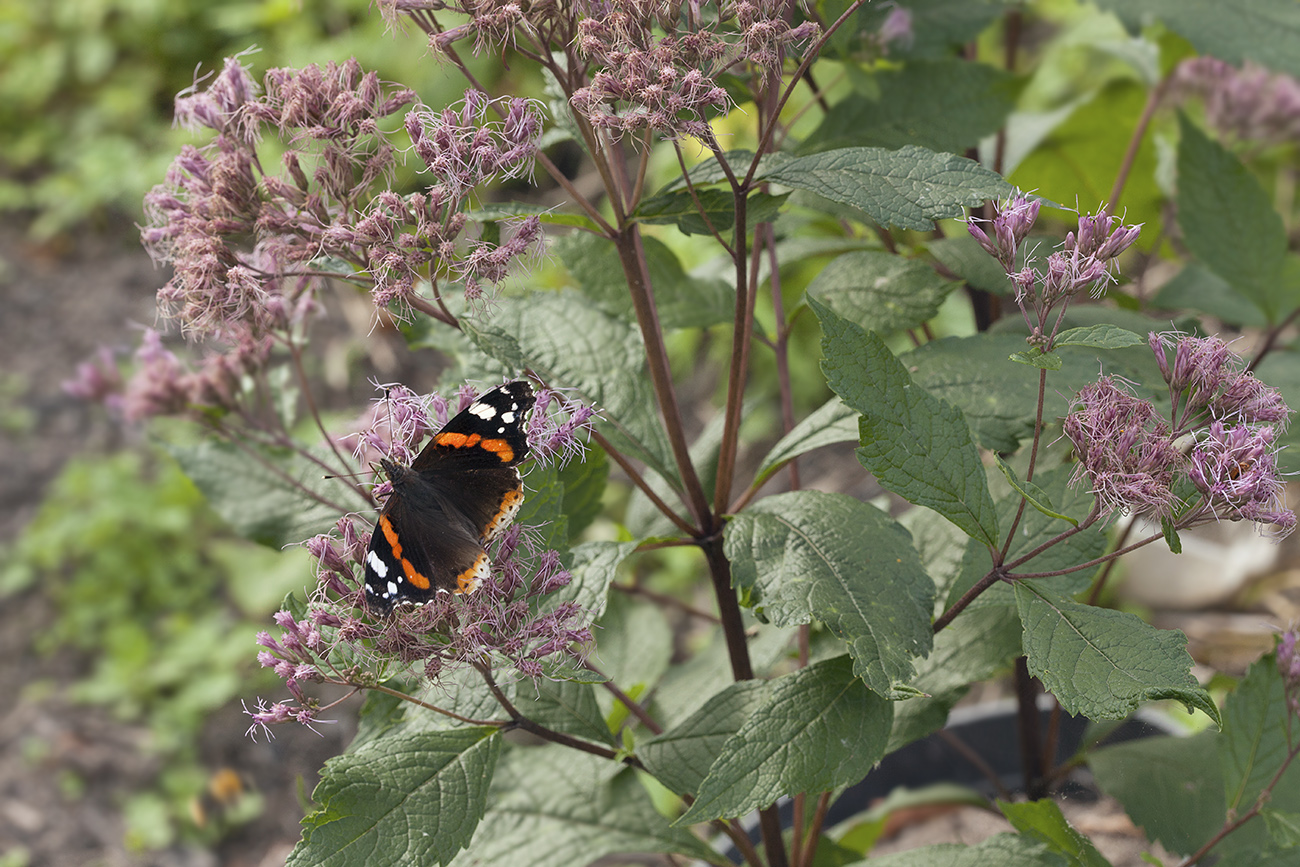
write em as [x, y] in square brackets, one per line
[509, 417]
[378, 566]
[392, 590]
[482, 410]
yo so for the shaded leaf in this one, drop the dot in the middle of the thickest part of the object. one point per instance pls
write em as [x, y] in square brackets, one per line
[811, 554]
[411, 799]
[1102, 663]
[881, 291]
[910, 187]
[680, 757]
[796, 742]
[916, 445]
[832, 423]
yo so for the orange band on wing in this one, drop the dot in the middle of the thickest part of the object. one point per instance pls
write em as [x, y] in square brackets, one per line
[501, 449]
[417, 580]
[457, 440]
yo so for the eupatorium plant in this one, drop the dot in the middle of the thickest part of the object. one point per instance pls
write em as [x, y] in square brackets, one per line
[765, 228]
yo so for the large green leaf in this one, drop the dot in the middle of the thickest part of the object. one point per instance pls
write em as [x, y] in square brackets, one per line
[680, 757]
[1228, 221]
[593, 566]
[1171, 787]
[1076, 162]
[943, 105]
[683, 301]
[811, 554]
[1043, 821]
[1281, 369]
[687, 686]
[1004, 850]
[974, 647]
[410, 799]
[916, 445]
[1035, 529]
[820, 728]
[1265, 31]
[938, 26]
[269, 502]
[1198, 288]
[584, 486]
[910, 187]
[1102, 663]
[571, 343]
[634, 644]
[565, 706]
[832, 423]
[554, 807]
[880, 291]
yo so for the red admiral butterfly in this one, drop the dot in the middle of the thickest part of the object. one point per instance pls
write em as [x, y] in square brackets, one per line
[459, 494]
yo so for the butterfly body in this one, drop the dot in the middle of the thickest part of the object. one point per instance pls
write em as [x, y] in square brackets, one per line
[459, 494]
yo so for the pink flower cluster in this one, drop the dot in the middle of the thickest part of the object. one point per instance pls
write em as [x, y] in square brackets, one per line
[161, 384]
[1132, 459]
[1250, 104]
[1083, 264]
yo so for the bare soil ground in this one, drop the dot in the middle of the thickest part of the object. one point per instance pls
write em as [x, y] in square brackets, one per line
[66, 769]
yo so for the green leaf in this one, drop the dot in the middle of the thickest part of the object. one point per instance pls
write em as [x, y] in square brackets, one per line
[635, 643]
[977, 645]
[413, 799]
[565, 706]
[812, 554]
[937, 25]
[1228, 221]
[1099, 336]
[1256, 731]
[1198, 288]
[543, 508]
[1037, 358]
[1283, 827]
[680, 757]
[916, 445]
[593, 566]
[1004, 850]
[963, 255]
[1170, 786]
[796, 743]
[1035, 529]
[1101, 663]
[679, 208]
[572, 344]
[551, 806]
[268, 504]
[1265, 31]
[1043, 821]
[943, 105]
[910, 187]
[1281, 369]
[682, 301]
[584, 485]
[881, 291]
[1033, 494]
[687, 686]
[1077, 160]
[832, 423]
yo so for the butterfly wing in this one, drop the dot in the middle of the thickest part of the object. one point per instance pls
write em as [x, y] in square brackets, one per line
[458, 494]
[488, 434]
[419, 548]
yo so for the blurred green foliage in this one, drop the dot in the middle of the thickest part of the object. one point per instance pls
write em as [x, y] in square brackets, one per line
[86, 86]
[157, 592]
